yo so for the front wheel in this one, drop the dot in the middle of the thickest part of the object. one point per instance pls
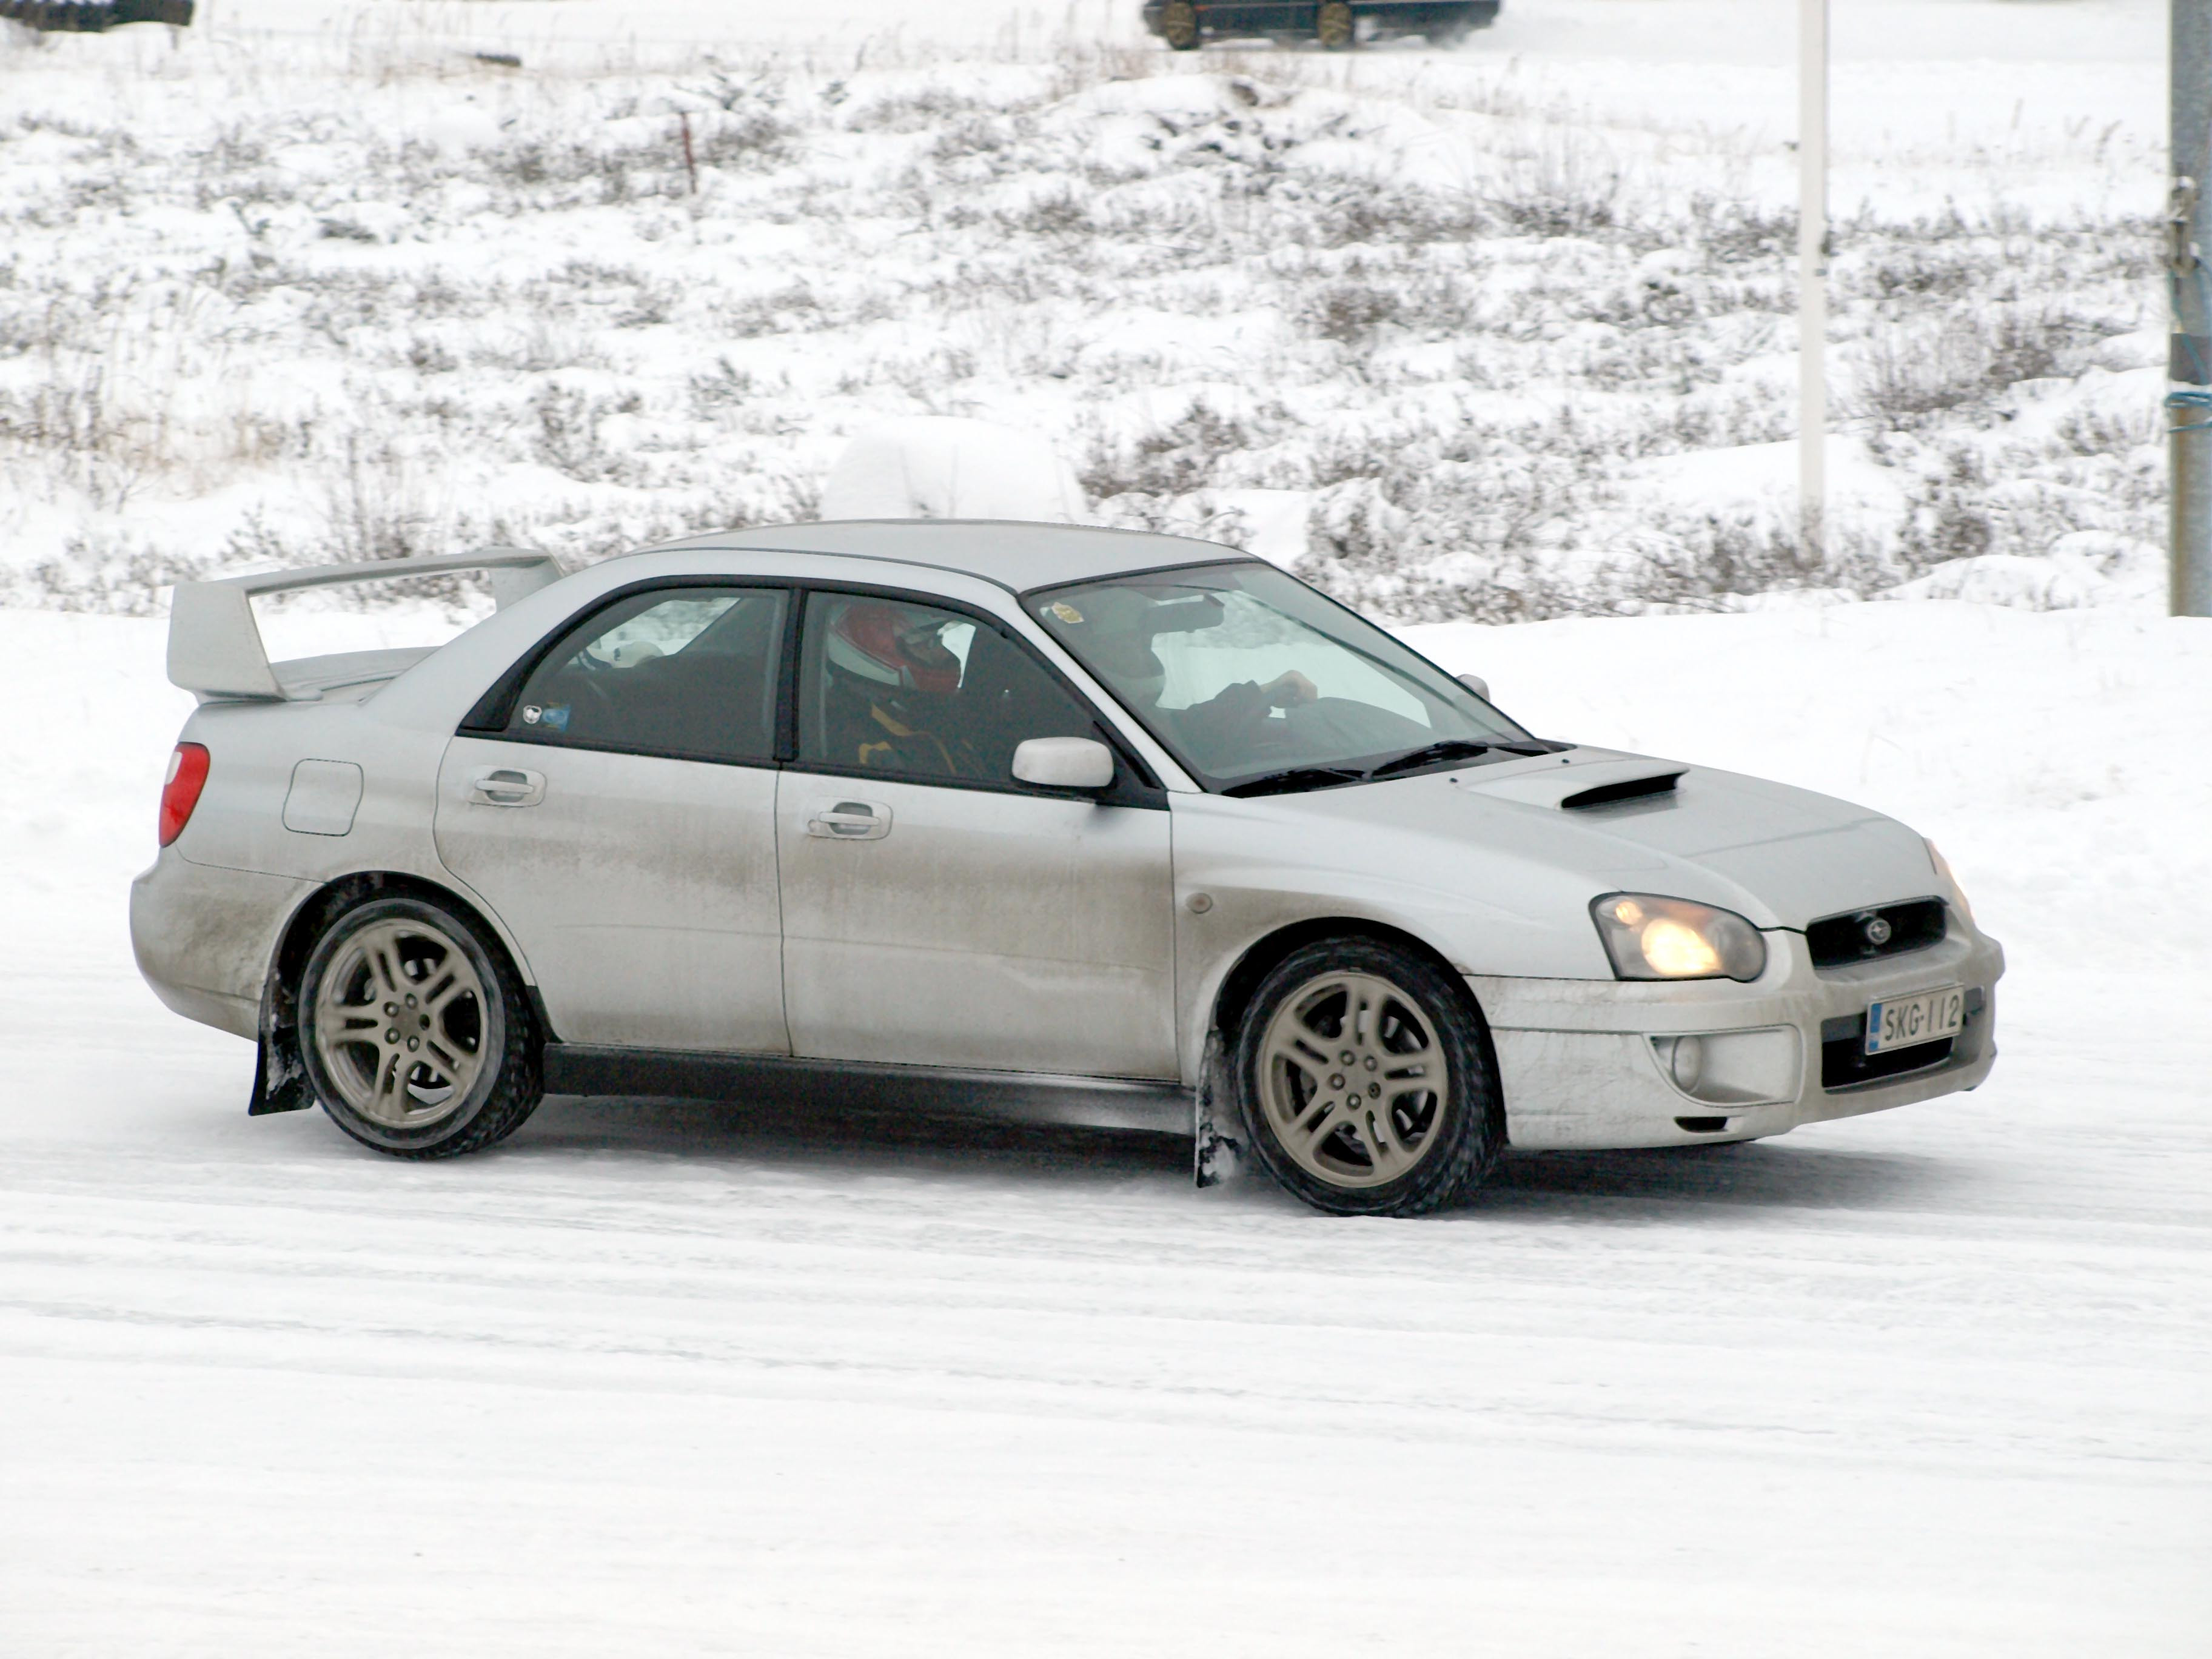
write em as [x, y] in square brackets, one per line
[1179, 25]
[1333, 25]
[415, 1032]
[1365, 1082]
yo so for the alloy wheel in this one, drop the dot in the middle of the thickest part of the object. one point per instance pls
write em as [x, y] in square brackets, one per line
[1353, 1079]
[399, 1022]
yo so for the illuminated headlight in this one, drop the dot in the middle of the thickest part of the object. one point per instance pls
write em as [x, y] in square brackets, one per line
[1652, 938]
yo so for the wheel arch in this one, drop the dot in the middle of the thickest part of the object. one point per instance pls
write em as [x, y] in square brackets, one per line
[298, 936]
[1234, 993]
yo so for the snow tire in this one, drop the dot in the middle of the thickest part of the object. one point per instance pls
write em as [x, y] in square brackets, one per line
[506, 1083]
[1465, 1131]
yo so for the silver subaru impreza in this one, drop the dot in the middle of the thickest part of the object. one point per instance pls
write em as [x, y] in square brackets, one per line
[934, 813]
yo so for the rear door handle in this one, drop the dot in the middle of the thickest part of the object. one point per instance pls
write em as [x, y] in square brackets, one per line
[507, 786]
[850, 820]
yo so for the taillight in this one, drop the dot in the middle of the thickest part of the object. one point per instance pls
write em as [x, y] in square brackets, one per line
[180, 790]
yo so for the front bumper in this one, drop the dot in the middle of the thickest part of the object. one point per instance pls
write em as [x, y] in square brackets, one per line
[1583, 1061]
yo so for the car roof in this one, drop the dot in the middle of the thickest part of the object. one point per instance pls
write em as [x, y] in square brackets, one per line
[1019, 557]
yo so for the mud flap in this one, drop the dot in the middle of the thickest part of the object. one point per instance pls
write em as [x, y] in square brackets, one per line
[280, 1079]
[1216, 1146]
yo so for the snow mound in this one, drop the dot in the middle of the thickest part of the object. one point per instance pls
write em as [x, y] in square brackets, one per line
[941, 466]
[2085, 569]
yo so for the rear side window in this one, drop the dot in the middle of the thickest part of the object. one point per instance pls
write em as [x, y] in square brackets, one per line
[688, 672]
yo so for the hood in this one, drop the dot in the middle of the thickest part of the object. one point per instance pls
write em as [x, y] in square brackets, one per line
[1780, 856]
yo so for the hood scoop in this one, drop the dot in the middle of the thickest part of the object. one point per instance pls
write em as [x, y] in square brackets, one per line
[1579, 781]
[1620, 789]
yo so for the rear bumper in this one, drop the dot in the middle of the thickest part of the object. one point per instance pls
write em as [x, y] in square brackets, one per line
[204, 937]
[1584, 1063]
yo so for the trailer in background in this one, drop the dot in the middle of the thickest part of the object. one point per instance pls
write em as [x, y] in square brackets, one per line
[93, 16]
[1186, 25]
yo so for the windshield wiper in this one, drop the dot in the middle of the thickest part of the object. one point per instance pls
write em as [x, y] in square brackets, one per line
[1450, 749]
[1294, 778]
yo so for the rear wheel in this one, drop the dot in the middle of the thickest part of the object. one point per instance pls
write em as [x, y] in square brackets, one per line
[1179, 25]
[415, 1032]
[1333, 25]
[1365, 1083]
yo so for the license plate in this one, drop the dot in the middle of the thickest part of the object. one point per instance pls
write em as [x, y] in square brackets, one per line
[1901, 1022]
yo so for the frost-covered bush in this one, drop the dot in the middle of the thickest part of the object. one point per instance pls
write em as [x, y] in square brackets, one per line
[1516, 357]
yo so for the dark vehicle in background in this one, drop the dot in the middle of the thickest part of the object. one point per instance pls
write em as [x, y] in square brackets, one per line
[1336, 24]
[93, 17]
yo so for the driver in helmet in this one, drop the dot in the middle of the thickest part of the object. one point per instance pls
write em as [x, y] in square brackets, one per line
[891, 679]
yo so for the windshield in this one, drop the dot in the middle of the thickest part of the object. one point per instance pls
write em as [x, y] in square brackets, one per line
[1245, 673]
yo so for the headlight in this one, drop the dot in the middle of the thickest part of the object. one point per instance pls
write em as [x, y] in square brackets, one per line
[1653, 937]
[1943, 871]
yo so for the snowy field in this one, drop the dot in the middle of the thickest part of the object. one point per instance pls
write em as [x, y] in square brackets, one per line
[658, 1377]
[1504, 332]
[1501, 333]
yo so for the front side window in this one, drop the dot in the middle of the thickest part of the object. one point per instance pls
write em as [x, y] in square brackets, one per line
[686, 672]
[1246, 673]
[894, 686]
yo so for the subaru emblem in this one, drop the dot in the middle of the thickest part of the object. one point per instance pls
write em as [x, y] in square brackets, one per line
[1877, 931]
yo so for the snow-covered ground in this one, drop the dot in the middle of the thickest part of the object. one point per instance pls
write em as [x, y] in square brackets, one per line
[1505, 331]
[660, 1377]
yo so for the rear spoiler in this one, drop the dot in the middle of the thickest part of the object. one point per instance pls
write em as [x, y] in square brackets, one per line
[214, 644]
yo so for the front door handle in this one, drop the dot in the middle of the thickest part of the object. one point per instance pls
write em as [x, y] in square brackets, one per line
[507, 786]
[850, 820]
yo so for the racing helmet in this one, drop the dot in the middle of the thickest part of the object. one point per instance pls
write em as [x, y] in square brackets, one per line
[892, 648]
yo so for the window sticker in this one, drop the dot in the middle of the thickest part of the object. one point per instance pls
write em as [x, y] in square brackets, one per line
[1066, 612]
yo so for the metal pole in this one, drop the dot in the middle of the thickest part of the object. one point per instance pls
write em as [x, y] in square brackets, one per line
[1812, 264]
[2188, 404]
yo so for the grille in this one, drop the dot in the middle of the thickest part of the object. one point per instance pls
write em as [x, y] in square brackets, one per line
[1887, 929]
[1843, 1064]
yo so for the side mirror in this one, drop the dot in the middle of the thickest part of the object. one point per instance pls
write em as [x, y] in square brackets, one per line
[1475, 684]
[1064, 763]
